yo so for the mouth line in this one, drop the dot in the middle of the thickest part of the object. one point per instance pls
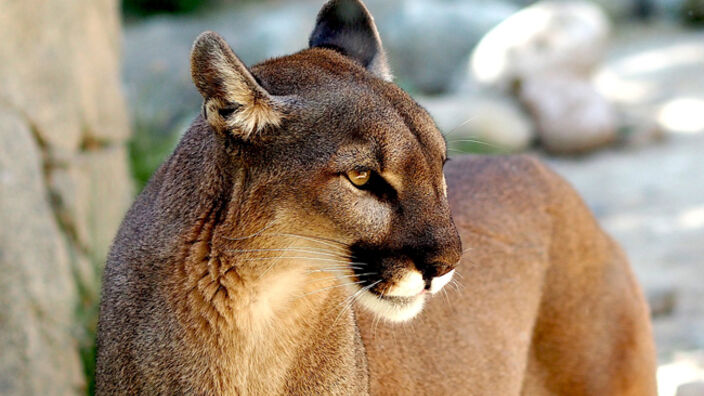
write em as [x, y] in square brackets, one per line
[392, 308]
[399, 300]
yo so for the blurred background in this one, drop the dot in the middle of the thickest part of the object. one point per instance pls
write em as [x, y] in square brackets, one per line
[95, 93]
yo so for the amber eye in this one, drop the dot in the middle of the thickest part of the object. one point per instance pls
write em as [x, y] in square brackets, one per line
[359, 178]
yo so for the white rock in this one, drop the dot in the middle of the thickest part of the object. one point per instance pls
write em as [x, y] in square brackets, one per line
[429, 41]
[570, 116]
[38, 351]
[497, 122]
[691, 389]
[94, 192]
[548, 36]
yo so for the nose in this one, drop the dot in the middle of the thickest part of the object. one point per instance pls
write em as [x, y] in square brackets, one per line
[437, 260]
[435, 269]
[441, 256]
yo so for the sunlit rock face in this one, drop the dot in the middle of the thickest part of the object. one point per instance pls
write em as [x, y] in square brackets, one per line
[548, 36]
[492, 123]
[570, 115]
[64, 184]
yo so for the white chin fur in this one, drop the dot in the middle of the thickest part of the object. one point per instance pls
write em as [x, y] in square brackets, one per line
[390, 310]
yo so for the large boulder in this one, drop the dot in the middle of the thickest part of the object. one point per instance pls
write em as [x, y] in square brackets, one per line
[429, 42]
[571, 117]
[485, 123]
[60, 64]
[64, 184]
[37, 294]
[549, 36]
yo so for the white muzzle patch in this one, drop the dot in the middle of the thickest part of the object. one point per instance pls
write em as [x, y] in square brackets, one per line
[410, 285]
[439, 282]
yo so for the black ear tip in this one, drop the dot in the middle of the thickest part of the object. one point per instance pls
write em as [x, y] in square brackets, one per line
[339, 18]
[344, 12]
[347, 27]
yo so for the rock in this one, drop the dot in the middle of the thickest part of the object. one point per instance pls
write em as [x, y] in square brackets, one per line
[497, 123]
[662, 301]
[429, 42]
[550, 36]
[93, 193]
[643, 78]
[111, 194]
[64, 184]
[37, 294]
[691, 389]
[628, 9]
[63, 69]
[571, 117]
[637, 128]
[691, 11]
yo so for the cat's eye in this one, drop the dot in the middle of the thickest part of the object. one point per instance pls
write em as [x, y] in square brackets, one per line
[359, 177]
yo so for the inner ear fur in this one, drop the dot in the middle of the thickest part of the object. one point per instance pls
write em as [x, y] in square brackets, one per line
[347, 27]
[234, 100]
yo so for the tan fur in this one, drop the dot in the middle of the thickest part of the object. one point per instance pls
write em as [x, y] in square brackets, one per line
[213, 60]
[236, 269]
[545, 303]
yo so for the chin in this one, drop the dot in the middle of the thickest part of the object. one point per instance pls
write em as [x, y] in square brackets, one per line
[393, 309]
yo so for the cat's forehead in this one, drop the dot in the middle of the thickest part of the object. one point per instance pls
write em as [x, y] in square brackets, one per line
[347, 99]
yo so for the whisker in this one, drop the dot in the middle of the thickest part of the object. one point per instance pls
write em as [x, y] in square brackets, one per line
[300, 258]
[444, 293]
[474, 141]
[331, 287]
[321, 240]
[455, 285]
[350, 300]
[294, 249]
[453, 130]
[339, 267]
[266, 227]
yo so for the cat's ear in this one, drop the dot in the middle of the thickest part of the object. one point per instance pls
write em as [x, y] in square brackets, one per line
[234, 101]
[347, 27]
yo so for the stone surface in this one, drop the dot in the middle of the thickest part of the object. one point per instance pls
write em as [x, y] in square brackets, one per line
[429, 42]
[94, 192]
[62, 71]
[37, 294]
[110, 196]
[683, 376]
[549, 36]
[691, 389]
[571, 117]
[494, 121]
[64, 185]
[662, 301]
[644, 77]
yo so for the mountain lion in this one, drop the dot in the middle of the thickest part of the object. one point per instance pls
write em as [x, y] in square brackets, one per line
[305, 212]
